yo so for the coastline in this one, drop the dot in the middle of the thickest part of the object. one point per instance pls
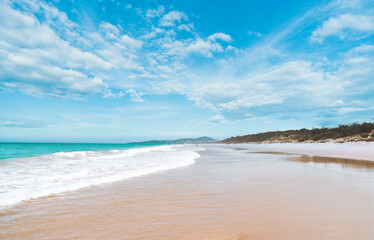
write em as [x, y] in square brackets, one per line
[349, 150]
[226, 194]
[27, 178]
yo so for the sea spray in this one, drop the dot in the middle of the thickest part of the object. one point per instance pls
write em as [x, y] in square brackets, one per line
[27, 178]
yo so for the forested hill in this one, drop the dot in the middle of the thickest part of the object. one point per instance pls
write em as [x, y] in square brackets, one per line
[344, 133]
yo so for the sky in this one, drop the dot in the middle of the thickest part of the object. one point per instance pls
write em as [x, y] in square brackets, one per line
[122, 70]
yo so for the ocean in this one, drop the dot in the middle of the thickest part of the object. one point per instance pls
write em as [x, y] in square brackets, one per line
[32, 170]
[18, 150]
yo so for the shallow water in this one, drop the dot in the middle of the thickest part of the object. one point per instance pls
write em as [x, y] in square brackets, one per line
[227, 194]
[8, 151]
[33, 177]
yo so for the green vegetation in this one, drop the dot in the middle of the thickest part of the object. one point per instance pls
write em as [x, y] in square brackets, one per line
[344, 133]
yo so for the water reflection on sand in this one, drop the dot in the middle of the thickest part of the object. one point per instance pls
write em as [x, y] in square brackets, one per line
[340, 164]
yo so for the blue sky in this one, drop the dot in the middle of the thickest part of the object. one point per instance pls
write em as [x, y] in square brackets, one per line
[119, 71]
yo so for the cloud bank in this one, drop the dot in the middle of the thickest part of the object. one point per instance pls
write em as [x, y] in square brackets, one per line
[43, 52]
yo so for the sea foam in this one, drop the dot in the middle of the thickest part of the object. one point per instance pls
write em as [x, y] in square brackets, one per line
[28, 178]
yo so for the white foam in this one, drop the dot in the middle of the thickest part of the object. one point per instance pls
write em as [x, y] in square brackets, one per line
[28, 178]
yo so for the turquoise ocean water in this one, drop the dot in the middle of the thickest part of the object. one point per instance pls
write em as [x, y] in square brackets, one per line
[20, 150]
[33, 170]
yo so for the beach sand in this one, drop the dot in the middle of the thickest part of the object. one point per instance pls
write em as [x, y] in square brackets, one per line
[231, 192]
[350, 150]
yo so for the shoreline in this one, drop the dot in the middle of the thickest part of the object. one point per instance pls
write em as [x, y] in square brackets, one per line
[44, 175]
[357, 151]
[227, 194]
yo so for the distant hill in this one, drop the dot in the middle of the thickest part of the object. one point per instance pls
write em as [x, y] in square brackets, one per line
[344, 133]
[193, 140]
[180, 141]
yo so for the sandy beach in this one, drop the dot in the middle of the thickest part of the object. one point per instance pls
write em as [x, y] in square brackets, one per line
[350, 150]
[231, 192]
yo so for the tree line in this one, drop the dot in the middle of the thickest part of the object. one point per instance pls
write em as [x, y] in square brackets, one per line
[350, 132]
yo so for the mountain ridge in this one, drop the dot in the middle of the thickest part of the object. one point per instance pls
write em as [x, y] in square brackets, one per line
[203, 139]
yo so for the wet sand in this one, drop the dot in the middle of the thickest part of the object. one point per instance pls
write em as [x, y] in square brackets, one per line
[227, 194]
[349, 150]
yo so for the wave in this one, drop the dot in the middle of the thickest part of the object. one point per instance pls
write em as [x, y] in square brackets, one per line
[33, 177]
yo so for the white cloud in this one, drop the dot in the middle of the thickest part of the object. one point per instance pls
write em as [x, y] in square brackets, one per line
[260, 75]
[135, 96]
[36, 60]
[252, 101]
[131, 42]
[153, 33]
[232, 49]
[218, 119]
[198, 46]
[336, 26]
[52, 15]
[110, 59]
[151, 13]
[205, 48]
[364, 48]
[110, 31]
[110, 94]
[293, 84]
[220, 36]
[357, 71]
[170, 19]
[23, 123]
[209, 46]
[186, 27]
[182, 48]
[254, 33]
